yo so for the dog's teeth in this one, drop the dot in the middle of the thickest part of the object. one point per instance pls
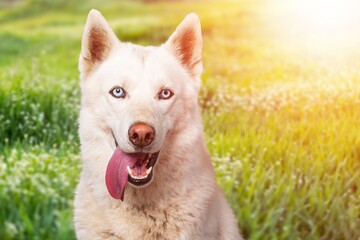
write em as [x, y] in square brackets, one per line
[139, 177]
[148, 156]
[129, 170]
[148, 171]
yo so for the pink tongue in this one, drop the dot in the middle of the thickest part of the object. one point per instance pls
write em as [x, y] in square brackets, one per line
[116, 173]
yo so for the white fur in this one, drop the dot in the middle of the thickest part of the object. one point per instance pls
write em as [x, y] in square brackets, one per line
[183, 200]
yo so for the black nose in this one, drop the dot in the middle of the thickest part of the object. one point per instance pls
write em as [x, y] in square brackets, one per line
[141, 134]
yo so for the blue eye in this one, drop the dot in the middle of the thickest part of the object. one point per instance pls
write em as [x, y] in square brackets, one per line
[117, 92]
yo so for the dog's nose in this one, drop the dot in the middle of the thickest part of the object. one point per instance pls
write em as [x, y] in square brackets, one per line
[141, 134]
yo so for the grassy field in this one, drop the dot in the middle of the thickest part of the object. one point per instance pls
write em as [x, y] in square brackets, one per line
[281, 120]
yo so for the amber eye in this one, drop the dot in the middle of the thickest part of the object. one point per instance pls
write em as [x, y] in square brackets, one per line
[117, 92]
[165, 94]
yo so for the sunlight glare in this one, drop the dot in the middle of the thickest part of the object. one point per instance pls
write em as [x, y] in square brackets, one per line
[327, 16]
[321, 26]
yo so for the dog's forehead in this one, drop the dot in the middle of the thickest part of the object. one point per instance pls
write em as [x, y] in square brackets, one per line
[138, 52]
[147, 58]
[129, 57]
[137, 62]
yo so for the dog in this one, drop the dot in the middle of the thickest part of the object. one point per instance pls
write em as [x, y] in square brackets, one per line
[146, 171]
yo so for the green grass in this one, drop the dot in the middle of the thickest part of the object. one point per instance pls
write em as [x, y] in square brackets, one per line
[282, 126]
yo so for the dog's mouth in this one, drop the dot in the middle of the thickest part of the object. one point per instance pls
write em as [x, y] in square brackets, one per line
[142, 171]
[135, 168]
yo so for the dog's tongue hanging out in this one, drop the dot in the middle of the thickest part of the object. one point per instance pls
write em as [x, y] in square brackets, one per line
[116, 173]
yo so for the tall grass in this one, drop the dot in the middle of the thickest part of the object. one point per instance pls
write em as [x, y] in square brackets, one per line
[281, 126]
[291, 172]
[37, 186]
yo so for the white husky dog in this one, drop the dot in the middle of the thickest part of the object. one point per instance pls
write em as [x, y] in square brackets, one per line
[146, 171]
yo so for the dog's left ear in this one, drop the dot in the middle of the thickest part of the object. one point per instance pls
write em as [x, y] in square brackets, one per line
[186, 44]
[97, 41]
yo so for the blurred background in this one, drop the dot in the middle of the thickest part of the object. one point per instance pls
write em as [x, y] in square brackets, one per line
[280, 103]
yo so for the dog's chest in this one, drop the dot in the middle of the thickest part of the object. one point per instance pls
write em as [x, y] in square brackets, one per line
[146, 223]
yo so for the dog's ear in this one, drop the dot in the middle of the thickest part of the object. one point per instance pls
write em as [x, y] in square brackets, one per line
[186, 44]
[97, 41]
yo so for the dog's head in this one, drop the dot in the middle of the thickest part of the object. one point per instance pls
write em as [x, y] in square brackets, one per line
[138, 95]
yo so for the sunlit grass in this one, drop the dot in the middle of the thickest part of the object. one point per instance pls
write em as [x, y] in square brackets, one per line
[281, 123]
[292, 167]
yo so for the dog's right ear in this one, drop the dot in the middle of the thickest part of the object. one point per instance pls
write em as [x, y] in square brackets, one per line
[97, 41]
[186, 45]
